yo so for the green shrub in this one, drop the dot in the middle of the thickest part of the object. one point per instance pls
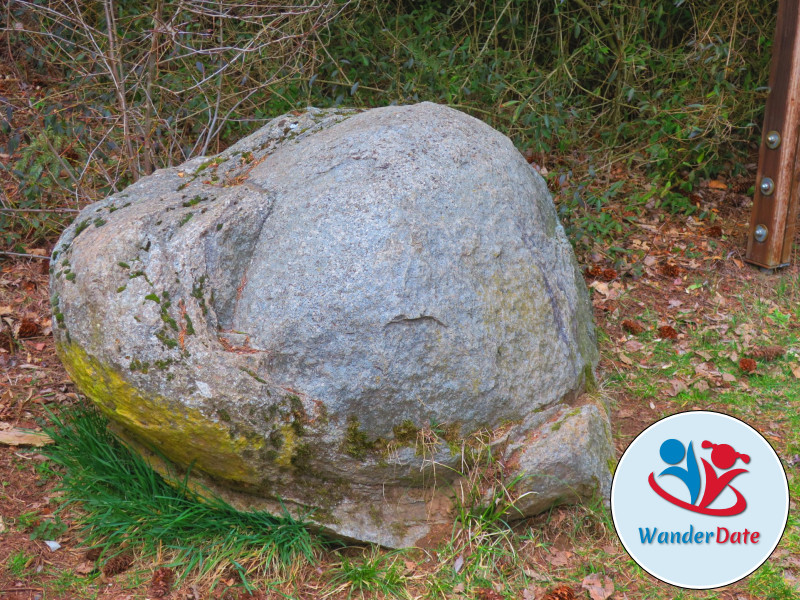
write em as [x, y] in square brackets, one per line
[674, 88]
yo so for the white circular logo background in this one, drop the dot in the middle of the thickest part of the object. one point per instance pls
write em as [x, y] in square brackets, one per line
[699, 499]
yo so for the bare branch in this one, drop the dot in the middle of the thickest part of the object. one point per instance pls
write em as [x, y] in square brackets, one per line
[20, 254]
[39, 210]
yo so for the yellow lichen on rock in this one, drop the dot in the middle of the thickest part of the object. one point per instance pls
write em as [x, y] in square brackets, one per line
[284, 459]
[184, 434]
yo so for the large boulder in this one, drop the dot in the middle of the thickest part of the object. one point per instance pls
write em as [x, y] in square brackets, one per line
[335, 315]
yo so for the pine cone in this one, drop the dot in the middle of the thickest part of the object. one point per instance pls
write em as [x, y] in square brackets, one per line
[741, 184]
[28, 329]
[93, 554]
[632, 327]
[6, 341]
[665, 332]
[768, 352]
[748, 365]
[118, 564]
[594, 272]
[670, 270]
[609, 275]
[562, 592]
[161, 583]
[487, 594]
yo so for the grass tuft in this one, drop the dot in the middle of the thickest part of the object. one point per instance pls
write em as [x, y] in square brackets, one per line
[126, 504]
[375, 572]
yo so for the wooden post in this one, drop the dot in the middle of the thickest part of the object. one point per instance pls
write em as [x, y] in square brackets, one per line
[772, 222]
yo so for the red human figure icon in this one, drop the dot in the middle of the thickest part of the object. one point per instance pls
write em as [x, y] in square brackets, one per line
[724, 457]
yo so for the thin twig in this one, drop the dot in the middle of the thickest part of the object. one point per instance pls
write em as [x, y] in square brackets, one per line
[119, 82]
[2, 252]
[40, 210]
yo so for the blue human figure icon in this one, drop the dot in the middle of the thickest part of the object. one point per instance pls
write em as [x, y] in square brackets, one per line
[672, 452]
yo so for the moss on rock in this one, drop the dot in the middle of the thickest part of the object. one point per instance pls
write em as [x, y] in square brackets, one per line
[183, 434]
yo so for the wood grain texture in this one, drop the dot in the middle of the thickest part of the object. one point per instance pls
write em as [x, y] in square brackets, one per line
[778, 211]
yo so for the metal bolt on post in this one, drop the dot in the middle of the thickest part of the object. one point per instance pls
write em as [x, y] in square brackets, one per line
[772, 221]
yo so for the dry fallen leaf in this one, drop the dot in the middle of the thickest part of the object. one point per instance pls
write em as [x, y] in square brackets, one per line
[601, 287]
[458, 564]
[23, 437]
[716, 184]
[559, 516]
[85, 568]
[559, 558]
[796, 371]
[599, 586]
[633, 345]
[532, 592]
[678, 386]
[535, 575]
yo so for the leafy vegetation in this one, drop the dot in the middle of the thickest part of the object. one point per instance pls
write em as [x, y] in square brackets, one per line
[674, 88]
[662, 83]
[19, 562]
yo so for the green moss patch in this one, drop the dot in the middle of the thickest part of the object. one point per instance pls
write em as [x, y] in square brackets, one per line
[356, 443]
[183, 434]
